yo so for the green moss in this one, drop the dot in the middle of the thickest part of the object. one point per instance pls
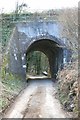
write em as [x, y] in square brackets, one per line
[7, 28]
[3, 103]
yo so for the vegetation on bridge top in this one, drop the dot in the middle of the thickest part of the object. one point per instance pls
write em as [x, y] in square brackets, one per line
[64, 16]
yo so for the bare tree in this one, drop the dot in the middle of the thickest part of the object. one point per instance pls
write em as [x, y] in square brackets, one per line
[69, 19]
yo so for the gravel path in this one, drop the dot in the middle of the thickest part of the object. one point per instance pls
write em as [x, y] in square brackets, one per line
[37, 101]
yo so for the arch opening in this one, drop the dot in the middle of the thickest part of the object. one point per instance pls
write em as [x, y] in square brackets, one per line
[37, 64]
[52, 50]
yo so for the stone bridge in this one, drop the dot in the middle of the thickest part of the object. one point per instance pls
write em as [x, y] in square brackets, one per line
[38, 36]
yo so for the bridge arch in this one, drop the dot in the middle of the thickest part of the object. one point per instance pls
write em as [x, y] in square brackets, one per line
[52, 48]
[41, 36]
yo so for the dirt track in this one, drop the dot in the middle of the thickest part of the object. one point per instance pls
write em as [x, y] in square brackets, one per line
[37, 101]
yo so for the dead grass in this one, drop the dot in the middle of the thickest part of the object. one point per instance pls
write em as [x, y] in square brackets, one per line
[68, 88]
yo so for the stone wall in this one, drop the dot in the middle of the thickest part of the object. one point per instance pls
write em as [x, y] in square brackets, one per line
[42, 36]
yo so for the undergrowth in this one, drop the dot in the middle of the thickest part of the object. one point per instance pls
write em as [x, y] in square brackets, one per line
[11, 84]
